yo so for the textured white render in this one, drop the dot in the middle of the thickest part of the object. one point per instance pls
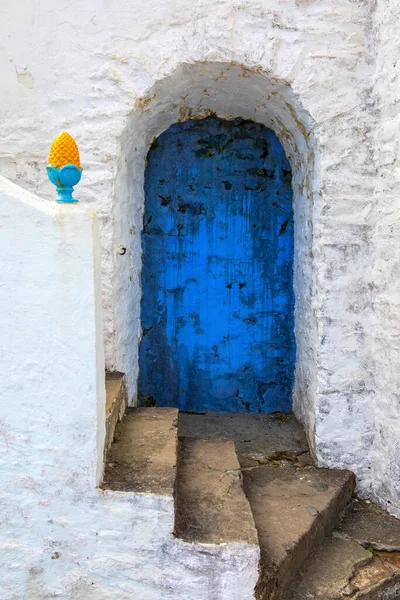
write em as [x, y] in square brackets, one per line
[52, 360]
[60, 536]
[385, 284]
[323, 75]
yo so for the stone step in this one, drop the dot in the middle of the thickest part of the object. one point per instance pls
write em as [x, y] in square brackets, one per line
[116, 401]
[144, 453]
[361, 560]
[294, 509]
[211, 506]
[258, 438]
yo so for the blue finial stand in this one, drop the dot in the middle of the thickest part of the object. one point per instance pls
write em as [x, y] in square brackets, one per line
[64, 179]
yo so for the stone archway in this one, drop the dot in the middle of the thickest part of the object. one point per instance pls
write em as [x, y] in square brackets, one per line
[228, 91]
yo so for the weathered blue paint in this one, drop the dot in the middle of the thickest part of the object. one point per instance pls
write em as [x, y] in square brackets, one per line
[217, 306]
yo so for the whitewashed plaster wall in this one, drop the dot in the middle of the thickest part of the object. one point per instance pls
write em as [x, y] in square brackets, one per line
[385, 459]
[60, 536]
[52, 360]
[96, 69]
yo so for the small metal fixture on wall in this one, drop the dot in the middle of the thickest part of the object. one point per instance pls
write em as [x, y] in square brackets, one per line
[64, 168]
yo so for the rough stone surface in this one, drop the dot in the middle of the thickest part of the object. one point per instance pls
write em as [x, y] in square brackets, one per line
[342, 568]
[211, 506]
[258, 438]
[361, 560]
[371, 526]
[378, 580]
[334, 564]
[293, 511]
[144, 453]
[115, 404]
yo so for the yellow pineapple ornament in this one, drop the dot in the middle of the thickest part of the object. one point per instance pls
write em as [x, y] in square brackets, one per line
[64, 168]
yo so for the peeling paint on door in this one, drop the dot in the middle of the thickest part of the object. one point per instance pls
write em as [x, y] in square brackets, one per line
[217, 278]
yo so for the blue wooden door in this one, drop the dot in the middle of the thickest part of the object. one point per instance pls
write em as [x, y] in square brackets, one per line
[217, 304]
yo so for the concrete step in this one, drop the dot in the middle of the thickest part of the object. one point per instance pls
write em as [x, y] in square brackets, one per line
[360, 560]
[116, 401]
[211, 506]
[294, 509]
[144, 453]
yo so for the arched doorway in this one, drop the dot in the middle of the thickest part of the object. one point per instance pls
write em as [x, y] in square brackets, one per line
[217, 277]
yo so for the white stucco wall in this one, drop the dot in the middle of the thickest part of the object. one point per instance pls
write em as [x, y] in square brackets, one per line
[385, 459]
[114, 74]
[52, 366]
